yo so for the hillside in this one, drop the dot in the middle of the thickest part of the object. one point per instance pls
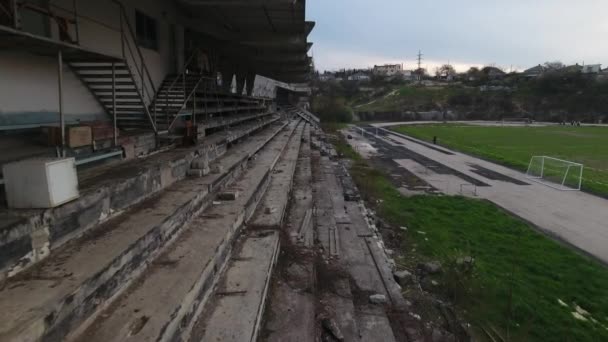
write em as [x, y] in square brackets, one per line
[553, 97]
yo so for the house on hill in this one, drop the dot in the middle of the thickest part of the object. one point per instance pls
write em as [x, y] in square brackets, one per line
[388, 69]
[591, 68]
[359, 76]
[534, 71]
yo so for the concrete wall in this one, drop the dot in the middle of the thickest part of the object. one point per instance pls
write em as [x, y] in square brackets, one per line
[29, 92]
[28, 86]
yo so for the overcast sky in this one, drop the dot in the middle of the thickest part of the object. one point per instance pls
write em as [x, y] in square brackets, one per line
[505, 33]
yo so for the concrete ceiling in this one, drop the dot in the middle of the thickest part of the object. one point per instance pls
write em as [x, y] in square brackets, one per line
[268, 36]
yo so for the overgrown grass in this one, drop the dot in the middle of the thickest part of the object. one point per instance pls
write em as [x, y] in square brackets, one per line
[519, 277]
[514, 146]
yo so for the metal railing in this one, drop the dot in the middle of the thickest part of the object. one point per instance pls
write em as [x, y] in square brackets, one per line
[131, 53]
[148, 89]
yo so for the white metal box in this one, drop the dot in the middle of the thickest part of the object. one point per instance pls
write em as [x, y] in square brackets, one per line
[40, 182]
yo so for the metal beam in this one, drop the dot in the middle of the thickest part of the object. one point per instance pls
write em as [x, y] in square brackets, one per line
[60, 93]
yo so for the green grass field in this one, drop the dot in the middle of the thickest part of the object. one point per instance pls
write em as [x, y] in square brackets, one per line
[524, 285]
[514, 146]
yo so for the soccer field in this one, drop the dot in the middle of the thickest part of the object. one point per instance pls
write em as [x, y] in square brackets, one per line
[513, 146]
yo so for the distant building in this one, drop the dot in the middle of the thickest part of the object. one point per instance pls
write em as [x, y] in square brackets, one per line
[359, 76]
[572, 68]
[388, 69]
[591, 68]
[493, 72]
[327, 77]
[534, 71]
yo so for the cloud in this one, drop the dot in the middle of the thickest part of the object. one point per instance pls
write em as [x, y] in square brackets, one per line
[513, 33]
[332, 59]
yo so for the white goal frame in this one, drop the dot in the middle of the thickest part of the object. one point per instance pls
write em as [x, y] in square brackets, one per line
[558, 186]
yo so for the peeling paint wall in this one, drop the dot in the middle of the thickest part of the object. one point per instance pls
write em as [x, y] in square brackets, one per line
[28, 83]
[29, 92]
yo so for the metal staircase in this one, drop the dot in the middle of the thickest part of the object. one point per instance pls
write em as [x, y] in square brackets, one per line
[115, 88]
[177, 94]
[173, 95]
[124, 88]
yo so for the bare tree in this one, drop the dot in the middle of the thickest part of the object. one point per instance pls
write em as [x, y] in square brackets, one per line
[555, 65]
[445, 70]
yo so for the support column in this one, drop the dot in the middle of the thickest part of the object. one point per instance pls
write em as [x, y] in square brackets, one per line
[114, 135]
[60, 86]
[240, 82]
[227, 71]
[250, 82]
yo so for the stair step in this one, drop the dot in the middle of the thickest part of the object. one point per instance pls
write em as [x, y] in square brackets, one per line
[239, 302]
[87, 77]
[167, 297]
[85, 62]
[82, 68]
[119, 102]
[236, 310]
[118, 96]
[109, 83]
[47, 303]
[131, 118]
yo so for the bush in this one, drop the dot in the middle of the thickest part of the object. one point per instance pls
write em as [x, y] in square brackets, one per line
[332, 109]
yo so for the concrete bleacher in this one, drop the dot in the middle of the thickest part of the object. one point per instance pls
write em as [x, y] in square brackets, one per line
[28, 236]
[116, 229]
[304, 114]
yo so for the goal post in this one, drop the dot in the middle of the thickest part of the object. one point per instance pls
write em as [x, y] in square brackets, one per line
[556, 173]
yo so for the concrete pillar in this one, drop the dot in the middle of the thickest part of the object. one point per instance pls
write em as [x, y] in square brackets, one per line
[227, 70]
[240, 82]
[250, 82]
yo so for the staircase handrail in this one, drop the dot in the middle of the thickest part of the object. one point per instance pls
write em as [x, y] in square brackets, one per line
[144, 72]
[194, 89]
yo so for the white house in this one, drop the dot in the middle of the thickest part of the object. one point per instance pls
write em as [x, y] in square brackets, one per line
[359, 76]
[388, 69]
[591, 68]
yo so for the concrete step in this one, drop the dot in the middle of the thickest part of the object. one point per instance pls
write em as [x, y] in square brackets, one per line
[241, 295]
[291, 301]
[236, 310]
[275, 201]
[161, 305]
[51, 299]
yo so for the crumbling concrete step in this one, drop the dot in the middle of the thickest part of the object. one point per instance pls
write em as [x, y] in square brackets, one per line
[361, 258]
[53, 298]
[237, 308]
[27, 237]
[242, 153]
[291, 300]
[276, 199]
[161, 305]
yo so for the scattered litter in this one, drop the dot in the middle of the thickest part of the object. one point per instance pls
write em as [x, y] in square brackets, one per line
[403, 228]
[562, 303]
[377, 299]
[421, 232]
[581, 310]
[578, 316]
[217, 202]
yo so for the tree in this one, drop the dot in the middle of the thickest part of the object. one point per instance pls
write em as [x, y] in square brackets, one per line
[445, 71]
[473, 73]
[555, 65]
[421, 72]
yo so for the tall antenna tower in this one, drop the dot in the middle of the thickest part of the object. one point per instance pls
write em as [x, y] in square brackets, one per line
[419, 70]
